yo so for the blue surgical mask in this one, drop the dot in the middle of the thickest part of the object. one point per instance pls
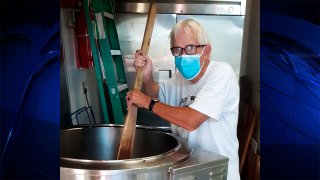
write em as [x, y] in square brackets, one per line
[189, 65]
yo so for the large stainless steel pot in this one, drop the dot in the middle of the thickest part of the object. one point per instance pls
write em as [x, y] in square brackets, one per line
[89, 152]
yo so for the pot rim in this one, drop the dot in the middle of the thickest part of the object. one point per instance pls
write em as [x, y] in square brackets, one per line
[176, 155]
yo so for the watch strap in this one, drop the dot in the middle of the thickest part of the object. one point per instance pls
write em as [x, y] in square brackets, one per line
[152, 103]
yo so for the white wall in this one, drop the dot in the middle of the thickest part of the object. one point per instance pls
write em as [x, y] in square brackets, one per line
[75, 76]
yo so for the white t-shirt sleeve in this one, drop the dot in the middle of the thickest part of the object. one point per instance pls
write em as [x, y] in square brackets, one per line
[165, 87]
[212, 97]
[167, 91]
[162, 91]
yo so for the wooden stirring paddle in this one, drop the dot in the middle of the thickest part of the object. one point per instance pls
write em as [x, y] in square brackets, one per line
[129, 129]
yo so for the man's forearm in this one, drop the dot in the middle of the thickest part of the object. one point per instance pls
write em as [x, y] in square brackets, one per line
[184, 117]
[151, 88]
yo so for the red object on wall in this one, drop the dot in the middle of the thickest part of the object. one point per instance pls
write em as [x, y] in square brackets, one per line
[69, 3]
[82, 40]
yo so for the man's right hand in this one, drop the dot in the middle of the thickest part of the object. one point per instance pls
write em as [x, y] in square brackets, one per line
[142, 60]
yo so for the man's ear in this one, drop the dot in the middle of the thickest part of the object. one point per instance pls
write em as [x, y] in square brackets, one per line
[207, 50]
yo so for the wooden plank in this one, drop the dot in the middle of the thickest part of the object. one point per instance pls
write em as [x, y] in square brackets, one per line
[128, 132]
[248, 117]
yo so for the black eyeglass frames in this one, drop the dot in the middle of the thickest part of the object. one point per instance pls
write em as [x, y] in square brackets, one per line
[189, 49]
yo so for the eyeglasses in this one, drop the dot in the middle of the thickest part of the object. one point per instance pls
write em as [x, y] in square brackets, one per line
[189, 49]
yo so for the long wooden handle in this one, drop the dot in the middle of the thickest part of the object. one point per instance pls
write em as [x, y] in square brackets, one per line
[129, 130]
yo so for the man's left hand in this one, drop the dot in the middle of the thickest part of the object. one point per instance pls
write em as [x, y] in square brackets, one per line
[138, 98]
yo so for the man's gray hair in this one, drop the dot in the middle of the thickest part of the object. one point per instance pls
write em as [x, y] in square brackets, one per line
[190, 25]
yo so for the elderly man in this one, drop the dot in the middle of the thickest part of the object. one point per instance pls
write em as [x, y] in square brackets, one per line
[201, 101]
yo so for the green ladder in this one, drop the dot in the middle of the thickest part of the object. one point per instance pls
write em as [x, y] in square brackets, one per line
[108, 63]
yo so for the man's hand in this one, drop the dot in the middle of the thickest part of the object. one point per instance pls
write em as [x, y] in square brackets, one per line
[142, 60]
[138, 98]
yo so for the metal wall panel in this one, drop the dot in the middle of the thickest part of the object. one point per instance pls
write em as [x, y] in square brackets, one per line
[180, 8]
[217, 7]
[130, 29]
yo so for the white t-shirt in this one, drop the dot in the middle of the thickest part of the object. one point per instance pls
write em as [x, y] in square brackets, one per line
[216, 95]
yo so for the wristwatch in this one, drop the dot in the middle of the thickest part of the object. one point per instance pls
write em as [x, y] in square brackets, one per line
[152, 103]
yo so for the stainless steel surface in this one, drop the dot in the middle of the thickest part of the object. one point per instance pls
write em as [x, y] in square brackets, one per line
[91, 151]
[202, 165]
[87, 152]
[221, 7]
[101, 143]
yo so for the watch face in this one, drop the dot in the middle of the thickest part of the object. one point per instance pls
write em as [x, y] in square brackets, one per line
[152, 103]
